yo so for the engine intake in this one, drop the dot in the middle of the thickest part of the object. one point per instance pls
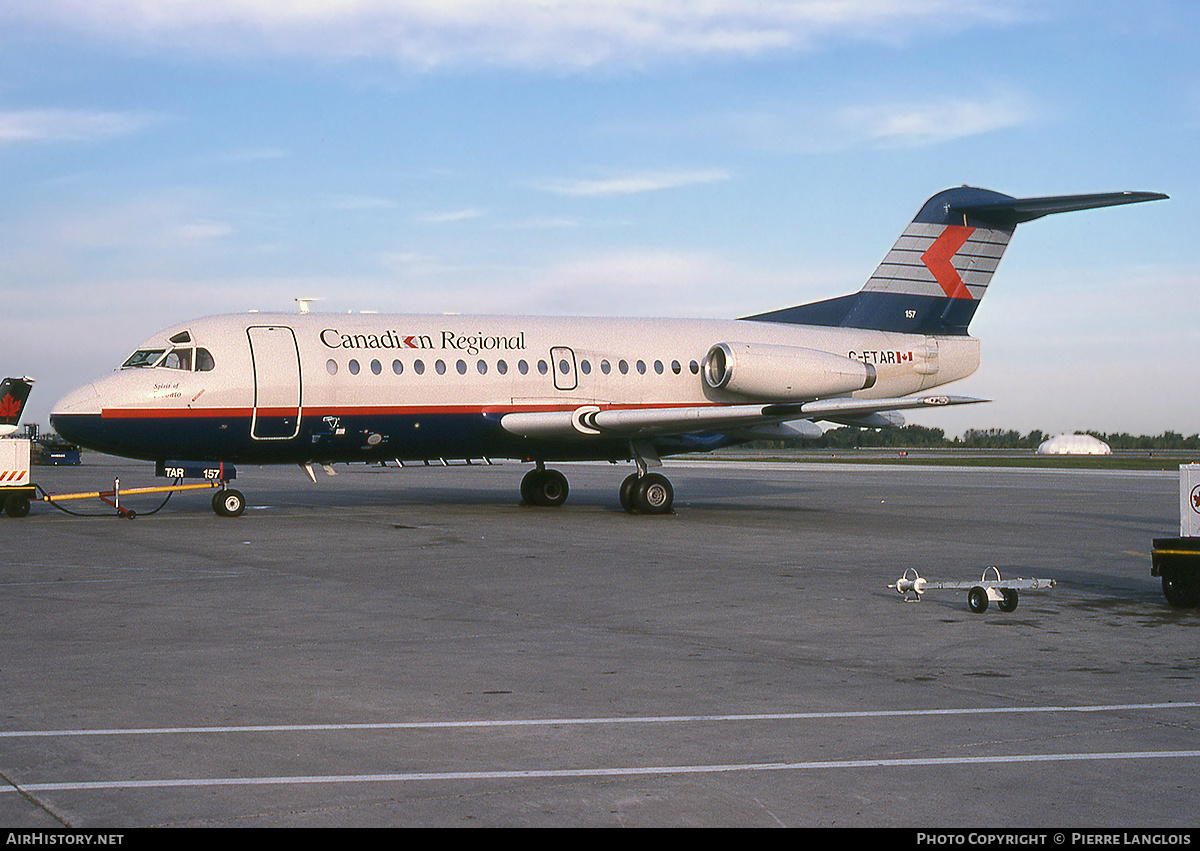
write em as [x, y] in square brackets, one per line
[783, 372]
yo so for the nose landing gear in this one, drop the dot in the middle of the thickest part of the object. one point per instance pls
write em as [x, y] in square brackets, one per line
[228, 502]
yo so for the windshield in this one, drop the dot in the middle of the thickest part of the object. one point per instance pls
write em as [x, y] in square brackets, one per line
[143, 357]
[184, 358]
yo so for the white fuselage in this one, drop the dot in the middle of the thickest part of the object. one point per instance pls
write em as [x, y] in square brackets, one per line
[263, 387]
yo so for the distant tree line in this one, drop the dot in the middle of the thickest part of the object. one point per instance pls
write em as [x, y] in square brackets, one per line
[916, 436]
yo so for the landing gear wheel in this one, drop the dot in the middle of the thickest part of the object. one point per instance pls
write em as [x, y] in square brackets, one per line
[16, 506]
[1009, 603]
[628, 487]
[977, 600]
[229, 503]
[547, 488]
[653, 494]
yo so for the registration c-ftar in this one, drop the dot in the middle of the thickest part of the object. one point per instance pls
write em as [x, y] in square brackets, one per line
[322, 388]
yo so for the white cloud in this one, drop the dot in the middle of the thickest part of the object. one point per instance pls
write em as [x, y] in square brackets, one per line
[932, 122]
[451, 216]
[190, 233]
[632, 184]
[806, 126]
[67, 125]
[510, 33]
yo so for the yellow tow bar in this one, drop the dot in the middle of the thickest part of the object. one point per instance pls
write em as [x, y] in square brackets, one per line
[113, 497]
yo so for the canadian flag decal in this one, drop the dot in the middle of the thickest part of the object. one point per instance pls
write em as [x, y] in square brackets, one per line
[939, 257]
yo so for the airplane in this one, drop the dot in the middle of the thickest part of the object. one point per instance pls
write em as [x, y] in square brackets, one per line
[14, 392]
[318, 388]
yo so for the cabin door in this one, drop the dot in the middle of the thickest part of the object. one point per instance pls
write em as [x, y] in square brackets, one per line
[275, 359]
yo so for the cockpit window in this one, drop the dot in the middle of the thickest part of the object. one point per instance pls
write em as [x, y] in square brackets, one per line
[143, 358]
[178, 359]
[182, 357]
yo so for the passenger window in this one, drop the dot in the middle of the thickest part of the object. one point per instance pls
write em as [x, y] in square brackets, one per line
[461, 366]
[543, 368]
[354, 367]
[605, 367]
[624, 367]
[482, 367]
[523, 367]
[675, 367]
[585, 367]
[397, 367]
[376, 367]
[641, 366]
[502, 367]
[331, 366]
[419, 367]
[658, 367]
[440, 366]
[694, 367]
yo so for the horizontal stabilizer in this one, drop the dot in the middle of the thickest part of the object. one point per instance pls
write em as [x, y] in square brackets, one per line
[1014, 211]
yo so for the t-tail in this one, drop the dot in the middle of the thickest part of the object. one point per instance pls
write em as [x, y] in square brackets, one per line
[932, 280]
[13, 394]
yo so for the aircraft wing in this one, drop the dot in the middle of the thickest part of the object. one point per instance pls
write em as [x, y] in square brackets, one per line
[593, 421]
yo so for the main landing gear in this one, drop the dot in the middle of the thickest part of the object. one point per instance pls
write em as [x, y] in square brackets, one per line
[641, 492]
[547, 488]
[649, 493]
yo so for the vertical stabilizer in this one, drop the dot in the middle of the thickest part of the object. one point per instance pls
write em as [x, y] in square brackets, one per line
[938, 270]
[932, 280]
[14, 392]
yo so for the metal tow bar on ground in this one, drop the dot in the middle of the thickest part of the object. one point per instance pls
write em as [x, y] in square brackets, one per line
[113, 497]
[991, 588]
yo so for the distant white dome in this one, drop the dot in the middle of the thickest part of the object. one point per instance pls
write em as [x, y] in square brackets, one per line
[1074, 444]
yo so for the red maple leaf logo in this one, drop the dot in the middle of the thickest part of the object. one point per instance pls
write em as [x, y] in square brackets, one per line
[9, 407]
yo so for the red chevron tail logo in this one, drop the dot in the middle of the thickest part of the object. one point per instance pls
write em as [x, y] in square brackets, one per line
[939, 257]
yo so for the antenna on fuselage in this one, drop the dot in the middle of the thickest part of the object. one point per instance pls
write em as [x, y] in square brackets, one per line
[304, 302]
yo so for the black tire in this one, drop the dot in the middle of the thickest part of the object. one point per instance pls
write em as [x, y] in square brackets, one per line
[553, 490]
[653, 494]
[546, 488]
[229, 503]
[977, 599]
[16, 506]
[529, 486]
[1009, 603]
[628, 488]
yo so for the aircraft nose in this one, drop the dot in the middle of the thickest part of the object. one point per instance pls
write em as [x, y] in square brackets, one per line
[71, 414]
[83, 400]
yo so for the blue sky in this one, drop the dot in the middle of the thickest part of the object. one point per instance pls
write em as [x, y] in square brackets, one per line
[635, 158]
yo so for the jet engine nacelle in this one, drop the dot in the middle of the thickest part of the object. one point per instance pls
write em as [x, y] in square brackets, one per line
[783, 372]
